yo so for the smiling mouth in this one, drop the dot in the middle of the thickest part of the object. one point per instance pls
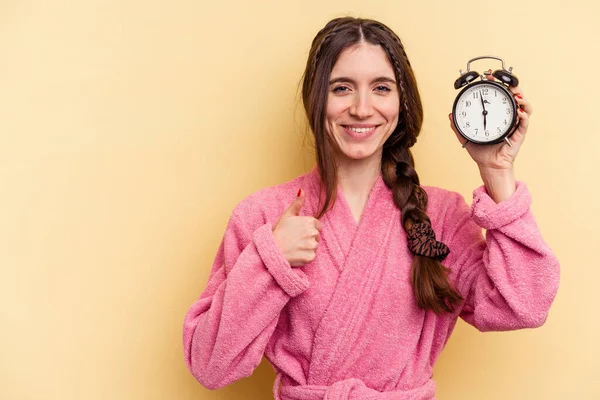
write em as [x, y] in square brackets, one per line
[361, 130]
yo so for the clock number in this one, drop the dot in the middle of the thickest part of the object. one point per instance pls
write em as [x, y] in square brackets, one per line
[505, 123]
[504, 100]
[467, 124]
[487, 133]
[464, 113]
[508, 110]
[475, 95]
[485, 91]
[495, 93]
[498, 130]
[468, 104]
[476, 131]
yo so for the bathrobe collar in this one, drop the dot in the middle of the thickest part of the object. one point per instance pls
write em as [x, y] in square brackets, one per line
[356, 251]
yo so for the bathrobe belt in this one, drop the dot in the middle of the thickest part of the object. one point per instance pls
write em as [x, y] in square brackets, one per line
[355, 389]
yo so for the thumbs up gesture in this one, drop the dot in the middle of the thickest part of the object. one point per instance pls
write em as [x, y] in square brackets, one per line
[297, 236]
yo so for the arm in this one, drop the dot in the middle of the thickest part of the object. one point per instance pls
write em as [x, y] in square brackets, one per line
[226, 330]
[510, 278]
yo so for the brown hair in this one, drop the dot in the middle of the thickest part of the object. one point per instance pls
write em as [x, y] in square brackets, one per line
[430, 283]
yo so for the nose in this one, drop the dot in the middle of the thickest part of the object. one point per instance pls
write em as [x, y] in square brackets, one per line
[361, 107]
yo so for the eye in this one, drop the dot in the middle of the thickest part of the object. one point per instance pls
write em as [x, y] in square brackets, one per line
[383, 88]
[340, 89]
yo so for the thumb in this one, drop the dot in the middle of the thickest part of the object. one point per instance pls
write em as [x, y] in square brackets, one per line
[296, 206]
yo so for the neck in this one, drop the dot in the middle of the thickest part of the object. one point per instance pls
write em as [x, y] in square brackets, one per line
[357, 177]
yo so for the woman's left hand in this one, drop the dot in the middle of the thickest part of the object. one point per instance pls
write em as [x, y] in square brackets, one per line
[500, 156]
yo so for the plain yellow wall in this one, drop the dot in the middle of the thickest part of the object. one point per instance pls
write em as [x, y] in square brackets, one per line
[130, 129]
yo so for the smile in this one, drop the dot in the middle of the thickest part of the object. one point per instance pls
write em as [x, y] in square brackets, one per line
[359, 132]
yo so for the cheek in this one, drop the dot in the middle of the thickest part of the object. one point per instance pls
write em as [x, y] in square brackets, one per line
[336, 106]
[335, 109]
[391, 110]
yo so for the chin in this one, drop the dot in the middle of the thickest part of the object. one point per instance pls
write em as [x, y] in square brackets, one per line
[356, 150]
[358, 153]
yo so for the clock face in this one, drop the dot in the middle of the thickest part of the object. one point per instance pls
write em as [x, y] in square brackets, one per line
[485, 112]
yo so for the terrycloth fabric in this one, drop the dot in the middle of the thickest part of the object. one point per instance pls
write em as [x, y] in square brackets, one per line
[346, 326]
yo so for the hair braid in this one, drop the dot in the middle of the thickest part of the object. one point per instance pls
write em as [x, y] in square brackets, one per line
[412, 139]
[429, 277]
[322, 38]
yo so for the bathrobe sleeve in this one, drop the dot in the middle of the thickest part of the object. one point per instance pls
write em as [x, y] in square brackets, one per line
[510, 278]
[227, 329]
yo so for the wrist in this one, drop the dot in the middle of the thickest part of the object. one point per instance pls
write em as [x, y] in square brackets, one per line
[500, 184]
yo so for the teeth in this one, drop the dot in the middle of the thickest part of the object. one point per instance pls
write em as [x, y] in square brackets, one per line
[361, 130]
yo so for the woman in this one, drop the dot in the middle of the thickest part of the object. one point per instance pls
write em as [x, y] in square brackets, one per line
[346, 290]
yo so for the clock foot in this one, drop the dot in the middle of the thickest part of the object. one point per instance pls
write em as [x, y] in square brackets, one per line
[508, 141]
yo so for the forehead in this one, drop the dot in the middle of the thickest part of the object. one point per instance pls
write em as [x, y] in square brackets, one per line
[363, 61]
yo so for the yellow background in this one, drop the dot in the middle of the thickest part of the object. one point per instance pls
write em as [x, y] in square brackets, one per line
[130, 129]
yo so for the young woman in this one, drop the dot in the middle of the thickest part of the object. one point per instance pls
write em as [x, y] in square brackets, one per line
[346, 290]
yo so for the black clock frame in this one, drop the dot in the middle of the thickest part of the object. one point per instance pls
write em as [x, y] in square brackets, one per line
[514, 123]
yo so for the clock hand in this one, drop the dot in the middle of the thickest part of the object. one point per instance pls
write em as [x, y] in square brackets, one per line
[484, 111]
[482, 103]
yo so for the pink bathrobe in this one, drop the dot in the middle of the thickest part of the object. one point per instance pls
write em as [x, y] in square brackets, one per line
[346, 326]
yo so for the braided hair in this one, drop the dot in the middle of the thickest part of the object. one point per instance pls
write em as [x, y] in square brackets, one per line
[431, 286]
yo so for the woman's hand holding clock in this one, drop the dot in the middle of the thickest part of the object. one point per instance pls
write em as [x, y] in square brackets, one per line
[496, 161]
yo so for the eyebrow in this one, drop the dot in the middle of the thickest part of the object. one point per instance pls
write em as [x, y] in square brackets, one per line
[350, 80]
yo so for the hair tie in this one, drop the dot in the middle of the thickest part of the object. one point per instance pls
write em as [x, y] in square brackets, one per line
[421, 241]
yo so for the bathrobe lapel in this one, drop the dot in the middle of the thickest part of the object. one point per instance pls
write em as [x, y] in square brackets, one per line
[356, 251]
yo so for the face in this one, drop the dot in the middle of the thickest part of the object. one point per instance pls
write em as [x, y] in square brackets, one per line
[363, 102]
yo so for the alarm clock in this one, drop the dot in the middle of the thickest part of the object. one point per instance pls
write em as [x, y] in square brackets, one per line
[485, 111]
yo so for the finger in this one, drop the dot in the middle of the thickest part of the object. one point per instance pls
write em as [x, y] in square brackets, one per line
[315, 243]
[309, 256]
[318, 224]
[490, 77]
[524, 104]
[523, 120]
[516, 90]
[318, 237]
[314, 233]
[296, 206]
[517, 139]
[310, 244]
